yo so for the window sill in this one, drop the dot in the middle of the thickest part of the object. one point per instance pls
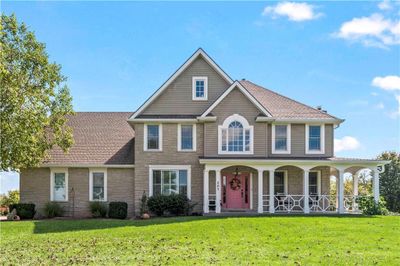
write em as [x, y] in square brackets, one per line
[199, 99]
[315, 152]
[186, 150]
[280, 152]
[153, 150]
[97, 200]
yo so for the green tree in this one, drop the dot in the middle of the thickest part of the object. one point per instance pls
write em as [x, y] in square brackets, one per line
[35, 102]
[11, 198]
[390, 181]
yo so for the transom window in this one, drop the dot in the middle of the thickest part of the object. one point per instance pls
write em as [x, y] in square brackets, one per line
[281, 139]
[186, 137]
[59, 185]
[279, 182]
[315, 139]
[200, 88]
[98, 185]
[170, 181]
[152, 137]
[236, 136]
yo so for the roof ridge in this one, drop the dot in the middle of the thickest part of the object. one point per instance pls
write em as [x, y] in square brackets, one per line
[286, 97]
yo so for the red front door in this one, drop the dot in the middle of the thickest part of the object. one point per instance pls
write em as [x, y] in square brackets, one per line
[235, 191]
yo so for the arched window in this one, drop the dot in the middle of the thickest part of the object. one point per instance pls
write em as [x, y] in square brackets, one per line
[235, 136]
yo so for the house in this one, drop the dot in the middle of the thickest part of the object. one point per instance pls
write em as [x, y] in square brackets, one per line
[228, 145]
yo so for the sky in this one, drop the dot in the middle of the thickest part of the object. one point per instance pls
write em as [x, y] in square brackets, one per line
[343, 56]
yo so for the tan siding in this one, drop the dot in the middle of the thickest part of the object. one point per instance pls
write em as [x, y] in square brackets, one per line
[35, 187]
[177, 98]
[235, 103]
[168, 156]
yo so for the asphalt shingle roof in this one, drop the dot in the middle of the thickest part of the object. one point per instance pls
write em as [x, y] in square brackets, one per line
[100, 138]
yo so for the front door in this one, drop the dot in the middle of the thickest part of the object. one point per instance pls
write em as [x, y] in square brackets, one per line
[235, 191]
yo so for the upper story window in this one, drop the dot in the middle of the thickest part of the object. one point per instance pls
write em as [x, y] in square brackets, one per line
[315, 139]
[98, 185]
[199, 88]
[152, 137]
[186, 137]
[235, 136]
[59, 185]
[281, 139]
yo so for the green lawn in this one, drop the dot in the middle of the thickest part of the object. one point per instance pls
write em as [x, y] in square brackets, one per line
[285, 240]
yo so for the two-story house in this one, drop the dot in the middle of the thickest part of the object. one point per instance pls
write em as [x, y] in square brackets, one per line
[228, 145]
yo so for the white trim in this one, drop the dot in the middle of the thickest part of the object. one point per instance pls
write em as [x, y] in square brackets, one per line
[205, 97]
[237, 84]
[251, 190]
[188, 62]
[97, 170]
[322, 138]
[246, 126]
[52, 172]
[160, 137]
[171, 167]
[288, 139]
[285, 181]
[164, 120]
[89, 165]
[318, 181]
[179, 136]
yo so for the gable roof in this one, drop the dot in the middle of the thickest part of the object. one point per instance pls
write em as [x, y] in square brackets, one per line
[198, 53]
[101, 138]
[282, 107]
[251, 97]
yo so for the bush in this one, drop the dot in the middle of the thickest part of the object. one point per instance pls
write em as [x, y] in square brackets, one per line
[368, 206]
[118, 210]
[53, 209]
[98, 209]
[24, 210]
[174, 204]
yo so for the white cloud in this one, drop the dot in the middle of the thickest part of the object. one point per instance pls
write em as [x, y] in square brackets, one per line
[385, 5]
[292, 10]
[390, 83]
[374, 30]
[346, 143]
[380, 106]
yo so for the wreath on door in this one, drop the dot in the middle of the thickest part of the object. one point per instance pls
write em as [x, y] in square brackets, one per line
[235, 183]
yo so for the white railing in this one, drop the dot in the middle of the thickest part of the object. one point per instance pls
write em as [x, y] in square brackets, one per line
[316, 203]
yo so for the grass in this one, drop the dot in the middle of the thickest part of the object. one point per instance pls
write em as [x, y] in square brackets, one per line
[264, 240]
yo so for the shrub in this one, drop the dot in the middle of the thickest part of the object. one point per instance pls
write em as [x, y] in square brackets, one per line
[12, 216]
[24, 210]
[98, 209]
[368, 206]
[143, 204]
[174, 204]
[53, 209]
[118, 210]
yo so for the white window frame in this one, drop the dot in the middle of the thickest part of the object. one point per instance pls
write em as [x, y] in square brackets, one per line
[194, 79]
[245, 125]
[97, 170]
[285, 181]
[322, 150]
[160, 137]
[179, 138]
[318, 181]
[288, 140]
[171, 168]
[53, 171]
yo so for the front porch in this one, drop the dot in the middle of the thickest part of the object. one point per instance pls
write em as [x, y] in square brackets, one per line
[297, 186]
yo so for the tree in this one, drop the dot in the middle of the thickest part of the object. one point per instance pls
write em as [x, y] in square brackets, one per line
[390, 181]
[11, 198]
[35, 102]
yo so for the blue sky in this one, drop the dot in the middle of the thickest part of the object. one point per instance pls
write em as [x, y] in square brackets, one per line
[344, 56]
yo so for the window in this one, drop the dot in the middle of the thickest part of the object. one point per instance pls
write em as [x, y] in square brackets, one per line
[200, 88]
[280, 182]
[281, 139]
[186, 137]
[314, 184]
[153, 137]
[235, 136]
[59, 185]
[98, 185]
[165, 180]
[315, 135]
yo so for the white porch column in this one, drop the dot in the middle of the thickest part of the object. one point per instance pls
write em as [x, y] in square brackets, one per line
[306, 189]
[375, 184]
[271, 178]
[206, 180]
[260, 208]
[340, 188]
[355, 183]
[217, 190]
